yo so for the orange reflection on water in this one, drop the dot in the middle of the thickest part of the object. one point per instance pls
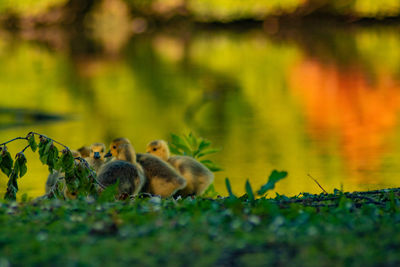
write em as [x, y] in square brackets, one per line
[347, 106]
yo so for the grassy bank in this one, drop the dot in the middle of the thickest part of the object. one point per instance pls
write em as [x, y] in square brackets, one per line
[359, 229]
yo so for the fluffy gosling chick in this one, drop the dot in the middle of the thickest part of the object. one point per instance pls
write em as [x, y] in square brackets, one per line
[161, 180]
[198, 177]
[96, 156]
[125, 169]
[84, 151]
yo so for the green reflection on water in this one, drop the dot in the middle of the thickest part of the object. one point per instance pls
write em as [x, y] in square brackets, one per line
[268, 103]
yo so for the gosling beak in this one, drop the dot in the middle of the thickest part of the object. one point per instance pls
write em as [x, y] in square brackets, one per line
[108, 154]
[96, 155]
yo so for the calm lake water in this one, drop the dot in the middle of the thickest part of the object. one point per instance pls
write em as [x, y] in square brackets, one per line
[319, 101]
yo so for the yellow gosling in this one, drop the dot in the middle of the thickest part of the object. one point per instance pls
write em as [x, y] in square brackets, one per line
[84, 151]
[96, 156]
[198, 177]
[125, 169]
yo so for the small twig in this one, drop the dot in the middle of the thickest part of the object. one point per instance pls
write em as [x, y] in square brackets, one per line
[370, 200]
[26, 138]
[317, 183]
[50, 139]
[25, 148]
[380, 191]
[16, 138]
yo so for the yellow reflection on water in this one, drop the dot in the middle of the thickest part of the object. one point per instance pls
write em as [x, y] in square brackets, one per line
[267, 104]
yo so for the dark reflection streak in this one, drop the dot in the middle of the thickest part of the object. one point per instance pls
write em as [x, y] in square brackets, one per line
[32, 115]
[19, 117]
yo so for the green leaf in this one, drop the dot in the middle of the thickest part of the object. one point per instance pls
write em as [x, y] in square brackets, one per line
[52, 157]
[249, 191]
[43, 151]
[180, 144]
[229, 188]
[207, 152]
[6, 162]
[32, 142]
[13, 180]
[211, 165]
[204, 144]
[11, 193]
[48, 146]
[23, 170]
[174, 150]
[16, 167]
[67, 160]
[20, 164]
[274, 177]
[83, 172]
[191, 140]
[12, 187]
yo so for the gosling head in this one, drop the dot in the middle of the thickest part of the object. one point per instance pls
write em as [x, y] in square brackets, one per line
[115, 144]
[158, 148]
[121, 149]
[97, 151]
[84, 151]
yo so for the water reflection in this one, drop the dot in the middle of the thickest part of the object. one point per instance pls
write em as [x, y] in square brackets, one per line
[314, 102]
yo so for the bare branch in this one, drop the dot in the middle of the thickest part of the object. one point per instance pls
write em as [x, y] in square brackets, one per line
[16, 138]
[317, 183]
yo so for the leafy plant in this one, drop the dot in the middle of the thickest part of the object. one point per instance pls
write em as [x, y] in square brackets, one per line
[78, 176]
[273, 178]
[196, 147]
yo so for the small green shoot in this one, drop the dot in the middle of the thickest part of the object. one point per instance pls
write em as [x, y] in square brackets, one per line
[274, 177]
[229, 188]
[249, 191]
[196, 147]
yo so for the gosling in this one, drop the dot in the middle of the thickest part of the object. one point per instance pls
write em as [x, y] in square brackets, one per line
[125, 169]
[161, 180]
[84, 151]
[96, 156]
[198, 177]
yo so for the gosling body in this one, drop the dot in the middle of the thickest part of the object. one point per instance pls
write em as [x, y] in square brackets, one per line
[123, 169]
[198, 177]
[129, 176]
[161, 178]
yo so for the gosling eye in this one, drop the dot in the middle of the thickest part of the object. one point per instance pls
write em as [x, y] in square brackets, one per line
[114, 147]
[154, 149]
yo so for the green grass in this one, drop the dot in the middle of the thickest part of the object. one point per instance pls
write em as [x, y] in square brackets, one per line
[339, 229]
[359, 229]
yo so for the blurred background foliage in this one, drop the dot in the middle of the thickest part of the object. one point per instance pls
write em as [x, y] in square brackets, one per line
[304, 86]
[223, 10]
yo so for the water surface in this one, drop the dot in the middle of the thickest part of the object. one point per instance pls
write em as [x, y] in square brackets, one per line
[319, 101]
